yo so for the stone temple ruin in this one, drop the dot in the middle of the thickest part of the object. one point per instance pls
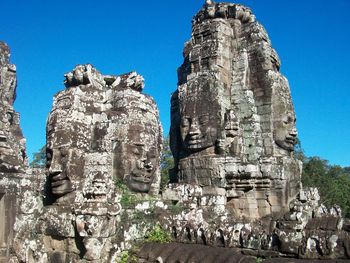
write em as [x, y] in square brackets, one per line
[100, 128]
[13, 160]
[234, 193]
[233, 122]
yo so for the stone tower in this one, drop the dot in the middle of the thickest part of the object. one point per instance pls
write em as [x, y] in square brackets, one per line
[232, 117]
[102, 131]
[13, 160]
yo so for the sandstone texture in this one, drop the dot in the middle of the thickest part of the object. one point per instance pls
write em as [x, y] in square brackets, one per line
[102, 127]
[13, 160]
[101, 132]
[12, 143]
[235, 193]
[233, 121]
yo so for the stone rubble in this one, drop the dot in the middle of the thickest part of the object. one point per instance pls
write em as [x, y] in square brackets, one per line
[235, 192]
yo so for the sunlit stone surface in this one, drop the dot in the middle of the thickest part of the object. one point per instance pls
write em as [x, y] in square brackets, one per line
[233, 121]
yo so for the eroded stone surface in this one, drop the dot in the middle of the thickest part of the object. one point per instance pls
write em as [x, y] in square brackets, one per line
[233, 121]
[101, 132]
[12, 143]
[100, 127]
[13, 160]
[232, 134]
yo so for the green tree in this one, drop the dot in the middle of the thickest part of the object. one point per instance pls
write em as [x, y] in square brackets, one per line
[167, 162]
[39, 158]
[299, 152]
[347, 170]
[333, 182]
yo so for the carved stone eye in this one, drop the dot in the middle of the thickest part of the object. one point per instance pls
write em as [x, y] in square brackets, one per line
[10, 117]
[152, 153]
[185, 122]
[136, 150]
[49, 155]
[64, 154]
[203, 119]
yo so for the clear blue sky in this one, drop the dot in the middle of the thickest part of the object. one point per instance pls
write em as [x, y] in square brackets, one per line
[48, 38]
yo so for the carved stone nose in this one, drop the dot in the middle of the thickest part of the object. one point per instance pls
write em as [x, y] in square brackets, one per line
[148, 165]
[294, 132]
[194, 130]
[55, 167]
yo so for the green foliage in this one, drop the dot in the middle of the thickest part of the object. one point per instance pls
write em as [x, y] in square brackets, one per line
[157, 234]
[120, 185]
[128, 199]
[176, 208]
[166, 163]
[299, 152]
[39, 158]
[332, 181]
[126, 257]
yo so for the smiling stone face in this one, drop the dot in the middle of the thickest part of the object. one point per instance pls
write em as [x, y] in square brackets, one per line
[137, 152]
[65, 156]
[200, 118]
[12, 143]
[136, 165]
[198, 132]
[284, 119]
[102, 121]
[285, 133]
[69, 136]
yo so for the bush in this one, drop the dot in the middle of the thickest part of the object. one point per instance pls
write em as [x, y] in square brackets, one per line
[332, 181]
[157, 234]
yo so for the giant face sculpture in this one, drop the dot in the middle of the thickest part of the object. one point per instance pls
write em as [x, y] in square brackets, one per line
[136, 164]
[66, 142]
[136, 160]
[285, 133]
[284, 120]
[200, 120]
[137, 152]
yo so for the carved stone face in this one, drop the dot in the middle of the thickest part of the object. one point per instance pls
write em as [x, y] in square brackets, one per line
[285, 133]
[66, 142]
[57, 160]
[200, 124]
[136, 160]
[65, 162]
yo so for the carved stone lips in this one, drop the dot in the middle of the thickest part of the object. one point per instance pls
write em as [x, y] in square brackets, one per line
[140, 179]
[194, 140]
[58, 176]
[291, 140]
[60, 183]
